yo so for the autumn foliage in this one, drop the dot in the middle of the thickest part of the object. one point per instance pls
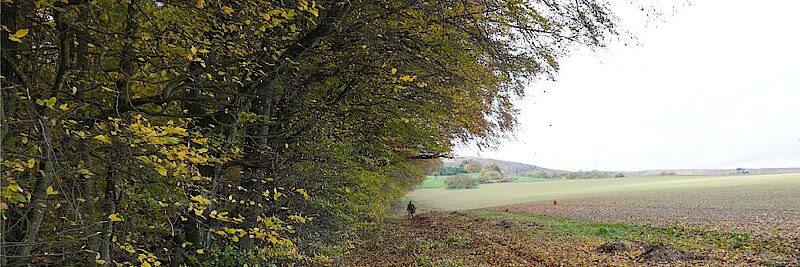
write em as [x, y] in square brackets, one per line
[207, 133]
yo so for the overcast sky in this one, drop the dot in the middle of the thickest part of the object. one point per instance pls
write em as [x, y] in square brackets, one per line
[716, 85]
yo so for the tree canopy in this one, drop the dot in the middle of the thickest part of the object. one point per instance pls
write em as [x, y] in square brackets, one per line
[207, 133]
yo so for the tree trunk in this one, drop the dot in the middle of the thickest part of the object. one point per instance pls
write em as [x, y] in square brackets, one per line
[38, 202]
[110, 199]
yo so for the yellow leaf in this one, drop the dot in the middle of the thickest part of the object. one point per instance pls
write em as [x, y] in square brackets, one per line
[103, 139]
[407, 78]
[194, 50]
[31, 163]
[101, 262]
[63, 107]
[161, 170]
[302, 192]
[51, 191]
[85, 172]
[15, 187]
[228, 10]
[18, 35]
[200, 199]
[21, 33]
[114, 217]
[199, 3]
[394, 71]
[145, 264]
[50, 102]
[200, 251]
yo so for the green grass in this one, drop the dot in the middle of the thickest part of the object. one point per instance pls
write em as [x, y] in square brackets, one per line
[744, 191]
[438, 181]
[421, 207]
[433, 182]
[526, 179]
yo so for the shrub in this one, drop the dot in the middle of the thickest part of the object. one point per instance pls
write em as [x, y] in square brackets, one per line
[473, 166]
[460, 182]
[490, 175]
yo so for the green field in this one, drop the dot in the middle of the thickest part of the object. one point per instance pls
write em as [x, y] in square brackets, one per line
[748, 191]
[438, 181]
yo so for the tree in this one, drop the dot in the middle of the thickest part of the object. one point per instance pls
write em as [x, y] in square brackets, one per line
[460, 182]
[450, 170]
[473, 166]
[493, 166]
[191, 133]
[538, 174]
[491, 175]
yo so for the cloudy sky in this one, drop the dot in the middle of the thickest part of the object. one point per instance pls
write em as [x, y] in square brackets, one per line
[716, 85]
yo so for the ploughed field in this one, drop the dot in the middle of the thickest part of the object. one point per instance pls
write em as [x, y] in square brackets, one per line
[499, 238]
[642, 221]
[757, 204]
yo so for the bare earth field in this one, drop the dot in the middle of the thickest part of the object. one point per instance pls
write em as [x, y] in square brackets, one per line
[492, 238]
[760, 204]
[751, 220]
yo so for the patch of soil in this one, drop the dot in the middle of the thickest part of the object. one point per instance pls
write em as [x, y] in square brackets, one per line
[508, 224]
[479, 219]
[612, 247]
[662, 253]
[459, 214]
[423, 219]
[534, 224]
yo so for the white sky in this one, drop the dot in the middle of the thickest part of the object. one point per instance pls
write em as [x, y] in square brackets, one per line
[716, 85]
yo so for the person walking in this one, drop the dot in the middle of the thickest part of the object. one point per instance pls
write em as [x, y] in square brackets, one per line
[411, 209]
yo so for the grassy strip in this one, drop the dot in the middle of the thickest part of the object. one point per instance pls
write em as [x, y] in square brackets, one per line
[420, 206]
[438, 181]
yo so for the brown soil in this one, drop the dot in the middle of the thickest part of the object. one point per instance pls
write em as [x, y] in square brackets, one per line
[662, 253]
[612, 247]
[779, 223]
[459, 239]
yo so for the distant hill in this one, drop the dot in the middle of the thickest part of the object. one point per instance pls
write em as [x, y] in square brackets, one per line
[710, 171]
[508, 167]
[517, 168]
